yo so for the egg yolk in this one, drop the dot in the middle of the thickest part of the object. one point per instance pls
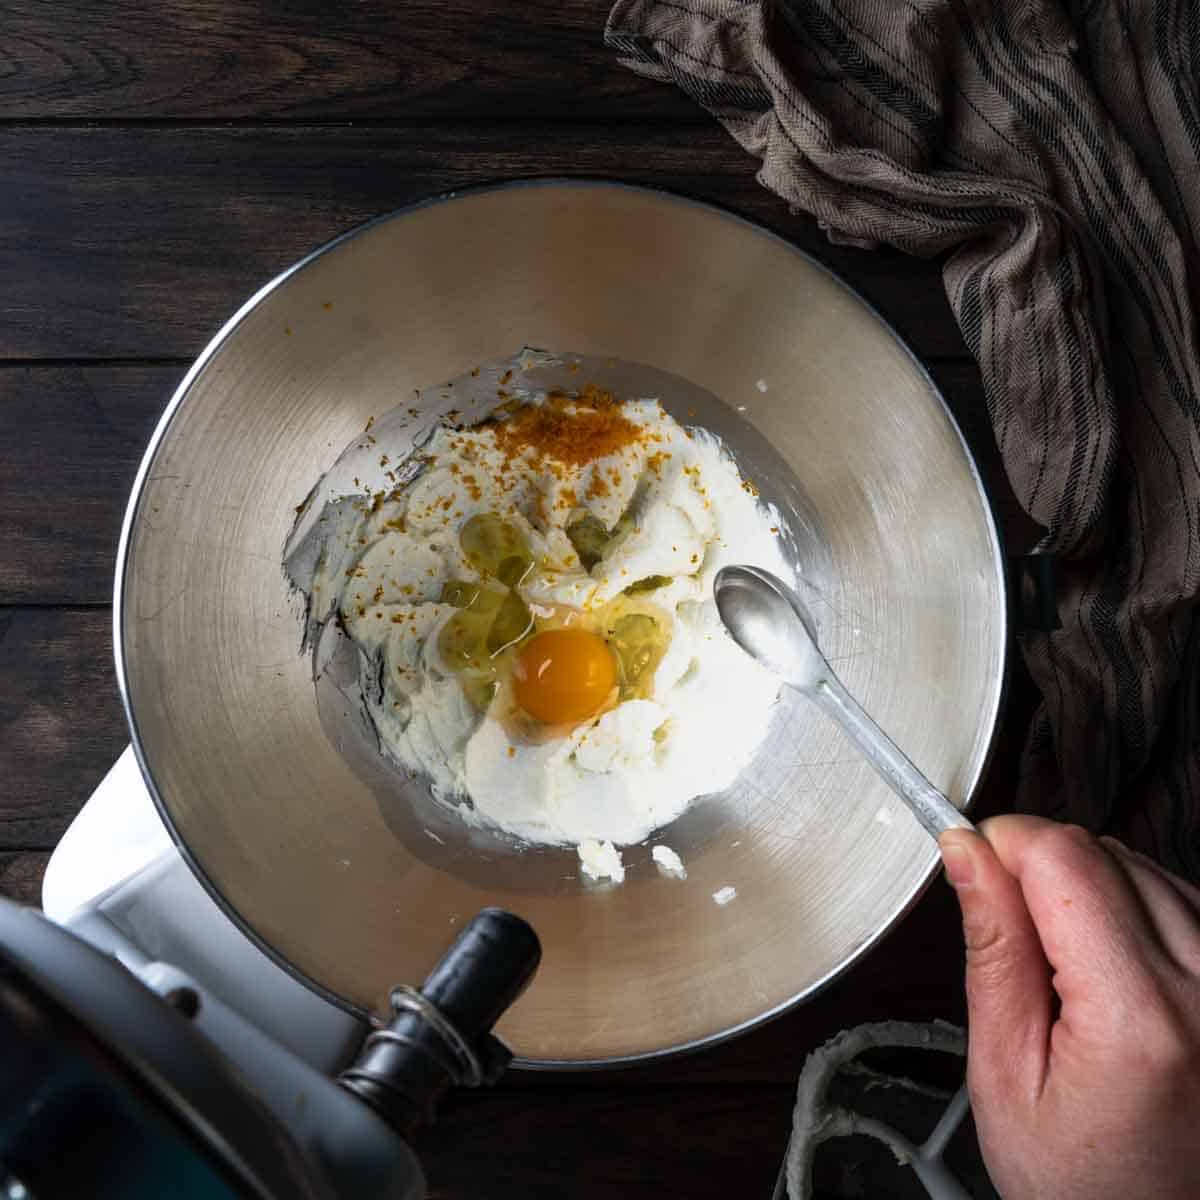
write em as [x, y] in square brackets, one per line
[564, 675]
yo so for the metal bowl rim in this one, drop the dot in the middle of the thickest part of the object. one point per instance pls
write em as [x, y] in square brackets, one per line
[216, 344]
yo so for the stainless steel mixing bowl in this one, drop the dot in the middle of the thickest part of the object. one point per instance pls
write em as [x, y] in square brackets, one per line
[895, 536]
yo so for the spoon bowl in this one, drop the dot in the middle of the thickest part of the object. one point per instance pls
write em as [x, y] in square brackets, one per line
[773, 625]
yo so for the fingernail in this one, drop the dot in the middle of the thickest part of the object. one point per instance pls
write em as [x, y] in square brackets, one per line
[959, 863]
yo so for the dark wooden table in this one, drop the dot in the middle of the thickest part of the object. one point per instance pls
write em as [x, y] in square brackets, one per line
[162, 160]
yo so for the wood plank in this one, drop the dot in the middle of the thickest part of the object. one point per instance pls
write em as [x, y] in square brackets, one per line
[722, 1143]
[61, 724]
[71, 439]
[717, 1141]
[374, 59]
[21, 875]
[139, 243]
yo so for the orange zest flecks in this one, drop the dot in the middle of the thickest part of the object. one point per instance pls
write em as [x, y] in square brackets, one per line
[575, 430]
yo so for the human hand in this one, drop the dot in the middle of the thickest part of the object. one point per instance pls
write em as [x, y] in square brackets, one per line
[1083, 991]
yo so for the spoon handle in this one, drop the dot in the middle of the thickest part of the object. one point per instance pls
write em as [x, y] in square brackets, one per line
[928, 805]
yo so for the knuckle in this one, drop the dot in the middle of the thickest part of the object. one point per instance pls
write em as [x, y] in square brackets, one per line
[1061, 848]
[1167, 1040]
[989, 950]
[1067, 840]
[1169, 1056]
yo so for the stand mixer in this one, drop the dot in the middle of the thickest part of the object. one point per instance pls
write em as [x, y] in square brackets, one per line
[147, 1043]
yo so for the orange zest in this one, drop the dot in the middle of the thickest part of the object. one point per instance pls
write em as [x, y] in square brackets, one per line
[574, 430]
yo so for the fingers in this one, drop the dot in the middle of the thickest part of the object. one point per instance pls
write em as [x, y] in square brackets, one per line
[1009, 993]
[1188, 891]
[1171, 904]
[1093, 926]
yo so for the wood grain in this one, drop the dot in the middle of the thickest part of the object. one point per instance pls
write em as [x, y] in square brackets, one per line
[61, 725]
[21, 875]
[273, 59]
[726, 1144]
[721, 1142]
[133, 243]
[71, 439]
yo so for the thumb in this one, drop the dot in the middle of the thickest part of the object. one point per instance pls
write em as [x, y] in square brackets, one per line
[1009, 993]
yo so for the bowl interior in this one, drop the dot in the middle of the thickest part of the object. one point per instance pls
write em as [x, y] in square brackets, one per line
[317, 853]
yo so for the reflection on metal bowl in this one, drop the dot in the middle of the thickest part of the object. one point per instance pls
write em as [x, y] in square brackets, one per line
[280, 798]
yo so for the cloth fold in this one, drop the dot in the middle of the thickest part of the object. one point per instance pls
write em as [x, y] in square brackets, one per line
[1051, 152]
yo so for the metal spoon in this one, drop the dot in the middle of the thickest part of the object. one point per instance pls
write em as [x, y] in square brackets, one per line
[770, 622]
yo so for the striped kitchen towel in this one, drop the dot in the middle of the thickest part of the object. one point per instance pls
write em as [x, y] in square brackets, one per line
[1050, 150]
